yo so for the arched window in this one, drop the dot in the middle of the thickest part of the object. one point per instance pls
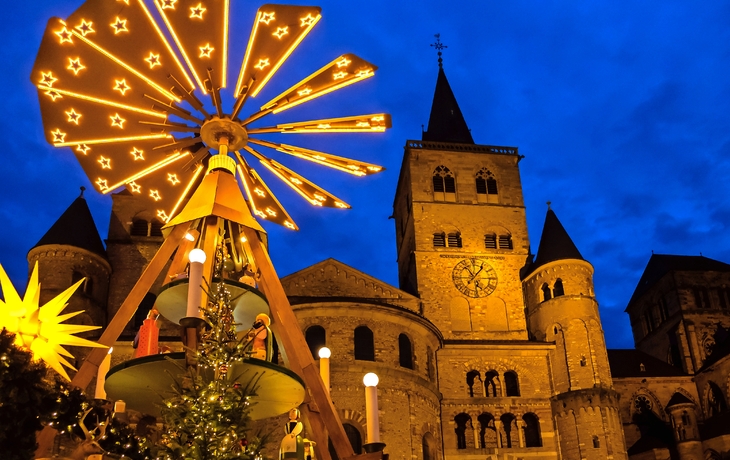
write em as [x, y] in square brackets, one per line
[491, 384]
[509, 425]
[354, 436]
[156, 227]
[490, 241]
[315, 337]
[596, 442]
[405, 352]
[454, 240]
[546, 294]
[461, 421]
[558, 288]
[364, 344]
[428, 444]
[444, 185]
[140, 227]
[505, 242]
[533, 438]
[486, 187]
[439, 240]
[511, 384]
[686, 421]
[487, 431]
[715, 400]
[471, 377]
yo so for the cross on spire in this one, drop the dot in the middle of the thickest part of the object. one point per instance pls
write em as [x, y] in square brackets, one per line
[439, 46]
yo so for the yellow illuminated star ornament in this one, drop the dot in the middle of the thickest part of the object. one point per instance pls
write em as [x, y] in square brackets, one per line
[38, 328]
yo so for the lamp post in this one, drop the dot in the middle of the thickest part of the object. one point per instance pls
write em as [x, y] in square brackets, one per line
[324, 366]
[195, 281]
[371, 410]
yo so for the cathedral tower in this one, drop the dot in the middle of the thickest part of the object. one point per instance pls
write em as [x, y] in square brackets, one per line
[561, 308]
[70, 250]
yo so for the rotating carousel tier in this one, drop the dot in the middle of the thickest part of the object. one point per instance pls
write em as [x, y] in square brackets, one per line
[143, 383]
[246, 302]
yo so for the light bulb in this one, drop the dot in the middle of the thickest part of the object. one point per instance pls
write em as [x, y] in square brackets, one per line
[197, 255]
[324, 352]
[370, 380]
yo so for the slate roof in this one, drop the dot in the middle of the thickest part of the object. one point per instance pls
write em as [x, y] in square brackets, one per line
[446, 123]
[678, 398]
[555, 243]
[75, 228]
[627, 363]
[661, 264]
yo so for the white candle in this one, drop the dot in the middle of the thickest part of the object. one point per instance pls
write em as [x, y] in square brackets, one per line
[100, 393]
[195, 282]
[324, 366]
[371, 406]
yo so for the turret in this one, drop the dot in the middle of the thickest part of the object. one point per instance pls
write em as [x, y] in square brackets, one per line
[686, 433]
[69, 251]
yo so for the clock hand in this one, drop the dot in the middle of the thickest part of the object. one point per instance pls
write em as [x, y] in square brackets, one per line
[477, 273]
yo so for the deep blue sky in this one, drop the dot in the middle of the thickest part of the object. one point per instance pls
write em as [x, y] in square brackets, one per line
[620, 108]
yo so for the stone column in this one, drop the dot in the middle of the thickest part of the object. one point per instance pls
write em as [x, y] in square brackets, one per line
[498, 430]
[521, 432]
[476, 434]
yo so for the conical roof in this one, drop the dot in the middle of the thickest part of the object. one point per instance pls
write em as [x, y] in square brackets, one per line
[75, 228]
[446, 123]
[555, 243]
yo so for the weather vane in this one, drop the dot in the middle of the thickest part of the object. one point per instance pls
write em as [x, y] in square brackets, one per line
[439, 46]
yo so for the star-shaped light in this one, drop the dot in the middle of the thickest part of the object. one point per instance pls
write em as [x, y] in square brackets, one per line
[85, 27]
[58, 136]
[364, 73]
[339, 75]
[47, 79]
[105, 163]
[163, 215]
[262, 64]
[136, 188]
[119, 25]
[121, 86]
[259, 192]
[155, 194]
[168, 4]
[153, 60]
[73, 117]
[266, 18]
[197, 11]
[304, 92]
[137, 154]
[53, 94]
[173, 178]
[206, 50]
[102, 184]
[344, 62]
[83, 148]
[117, 121]
[280, 32]
[64, 35]
[38, 328]
[75, 65]
[308, 20]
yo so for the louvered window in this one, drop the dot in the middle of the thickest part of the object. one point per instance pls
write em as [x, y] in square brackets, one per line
[140, 227]
[439, 240]
[490, 241]
[505, 242]
[454, 240]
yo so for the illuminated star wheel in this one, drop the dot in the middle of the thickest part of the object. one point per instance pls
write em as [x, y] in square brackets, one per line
[120, 83]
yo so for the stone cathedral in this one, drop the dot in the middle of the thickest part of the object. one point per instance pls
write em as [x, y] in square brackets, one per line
[485, 350]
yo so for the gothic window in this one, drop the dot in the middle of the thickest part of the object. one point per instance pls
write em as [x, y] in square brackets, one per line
[686, 421]
[354, 436]
[558, 288]
[662, 307]
[472, 377]
[511, 384]
[509, 425]
[505, 241]
[364, 344]
[156, 227]
[486, 187]
[715, 400]
[487, 431]
[140, 227]
[723, 298]
[491, 382]
[454, 240]
[461, 421]
[649, 322]
[702, 298]
[533, 438]
[444, 184]
[315, 337]
[546, 294]
[642, 404]
[428, 444]
[439, 240]
[405, 352]
[490, 241]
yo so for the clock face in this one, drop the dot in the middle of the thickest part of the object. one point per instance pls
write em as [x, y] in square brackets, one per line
[474, 277]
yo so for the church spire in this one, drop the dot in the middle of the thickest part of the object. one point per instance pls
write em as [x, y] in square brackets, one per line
[555, 243]
[446, 123]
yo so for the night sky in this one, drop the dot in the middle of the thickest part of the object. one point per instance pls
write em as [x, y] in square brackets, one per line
[620, 108]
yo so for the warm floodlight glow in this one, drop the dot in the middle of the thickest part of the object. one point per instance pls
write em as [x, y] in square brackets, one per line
[370, 380]
[197, 255]
[38, 328]
[324, 352]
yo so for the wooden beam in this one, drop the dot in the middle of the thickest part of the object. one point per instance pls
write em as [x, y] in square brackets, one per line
[300, 359]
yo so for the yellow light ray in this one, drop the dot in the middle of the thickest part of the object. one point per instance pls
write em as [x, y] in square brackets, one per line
[247, 56]
[118, 105]
[184, 194]
[111, 140]
[160, 164]
[126, 66]
[224, 55]
[161, 8]
[372, 123]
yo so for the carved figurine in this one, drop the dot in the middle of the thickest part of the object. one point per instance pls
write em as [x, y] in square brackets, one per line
[259, 338]
[292, 446]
